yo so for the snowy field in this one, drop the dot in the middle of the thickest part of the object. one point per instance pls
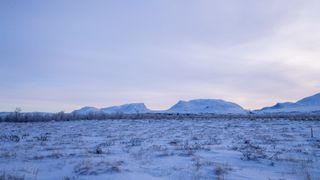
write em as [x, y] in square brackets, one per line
[161, 149]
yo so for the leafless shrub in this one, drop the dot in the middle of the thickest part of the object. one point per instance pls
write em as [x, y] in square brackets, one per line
[8, 154]
[98, 150]
[212, 141]
[251, 152]
[108, 143]
[41, 138]
[160, 150]
[188, 149]
[220, 170]
[5, 176]
[199, 162]
[135, 141]
[10, 138]
[174, 142]
[69, 178]
[53, 155]
[90, 168]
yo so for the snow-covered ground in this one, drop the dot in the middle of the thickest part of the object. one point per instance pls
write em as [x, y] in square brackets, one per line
[161, 149]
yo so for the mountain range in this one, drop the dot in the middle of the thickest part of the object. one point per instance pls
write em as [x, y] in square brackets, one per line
[216, 106]
[309, 104]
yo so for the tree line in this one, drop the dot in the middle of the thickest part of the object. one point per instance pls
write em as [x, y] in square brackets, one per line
[18, 116]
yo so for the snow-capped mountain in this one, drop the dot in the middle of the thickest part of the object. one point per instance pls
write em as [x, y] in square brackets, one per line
[86, 110]
[308, 104]
[127, 109]
[216, 106]
[194, 106]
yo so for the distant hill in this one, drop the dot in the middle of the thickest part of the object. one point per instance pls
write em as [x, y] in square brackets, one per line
[86, 110]
[127, 109]
[216, 106]
[308, 104]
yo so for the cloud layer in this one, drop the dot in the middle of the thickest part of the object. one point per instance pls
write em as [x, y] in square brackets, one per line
[63, 55]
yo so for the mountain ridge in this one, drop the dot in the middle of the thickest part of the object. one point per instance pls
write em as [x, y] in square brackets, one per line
[199, 106]
[307, 104]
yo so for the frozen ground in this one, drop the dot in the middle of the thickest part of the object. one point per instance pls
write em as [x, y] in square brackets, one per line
[157, 149]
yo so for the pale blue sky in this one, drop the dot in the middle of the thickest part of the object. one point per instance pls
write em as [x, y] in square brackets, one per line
[65, 54]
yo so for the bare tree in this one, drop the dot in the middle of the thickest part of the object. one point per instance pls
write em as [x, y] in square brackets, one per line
[17, 112]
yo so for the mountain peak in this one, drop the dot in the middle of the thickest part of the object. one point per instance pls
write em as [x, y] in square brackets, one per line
[127, 108]
[86, 110]
[311, 100]
[217, 106]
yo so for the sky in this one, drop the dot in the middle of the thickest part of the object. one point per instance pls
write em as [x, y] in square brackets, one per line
[66, 54]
